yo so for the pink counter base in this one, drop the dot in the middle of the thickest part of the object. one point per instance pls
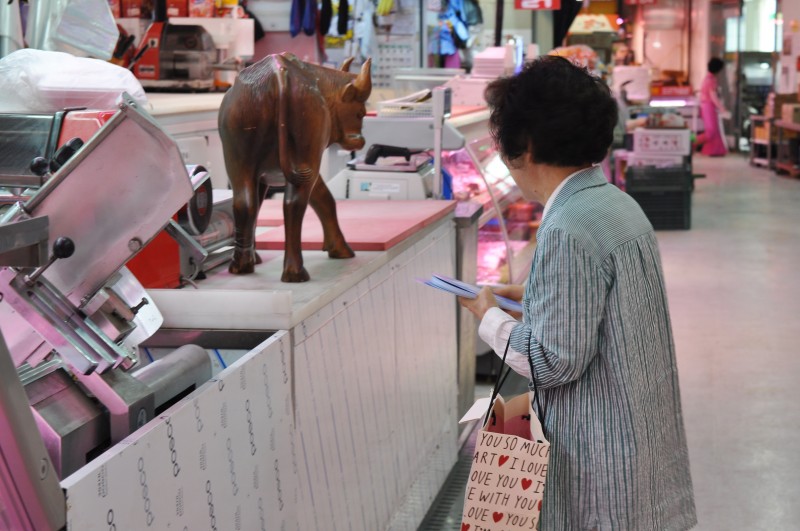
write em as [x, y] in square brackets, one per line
[367, 225]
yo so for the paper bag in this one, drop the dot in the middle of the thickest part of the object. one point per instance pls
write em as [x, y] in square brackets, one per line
[509, 468]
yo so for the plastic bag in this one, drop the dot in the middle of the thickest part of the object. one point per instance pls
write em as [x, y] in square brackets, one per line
[10, 28]
[36, 81]
[80, 27]
[87, 26]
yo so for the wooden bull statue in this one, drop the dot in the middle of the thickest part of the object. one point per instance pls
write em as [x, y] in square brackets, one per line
[275, 123]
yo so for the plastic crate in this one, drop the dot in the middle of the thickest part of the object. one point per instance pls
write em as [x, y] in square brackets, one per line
[649, 178]
[668, 210]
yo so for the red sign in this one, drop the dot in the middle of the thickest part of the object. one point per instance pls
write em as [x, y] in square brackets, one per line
[537, 5]
[671, 91]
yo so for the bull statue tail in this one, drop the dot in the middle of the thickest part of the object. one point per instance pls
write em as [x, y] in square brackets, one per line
[285, 154]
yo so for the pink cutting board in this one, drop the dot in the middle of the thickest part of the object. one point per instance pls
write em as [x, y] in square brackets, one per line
[367, 225]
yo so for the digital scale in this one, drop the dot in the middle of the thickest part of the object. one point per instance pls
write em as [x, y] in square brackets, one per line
[391, 177]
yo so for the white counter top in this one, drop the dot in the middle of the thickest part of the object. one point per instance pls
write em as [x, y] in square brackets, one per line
[165, 103]
[260, 301]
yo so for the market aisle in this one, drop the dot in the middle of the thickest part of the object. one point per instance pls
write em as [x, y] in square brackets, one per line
[733, 283]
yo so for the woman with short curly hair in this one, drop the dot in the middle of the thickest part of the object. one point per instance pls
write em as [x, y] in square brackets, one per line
[595, 326]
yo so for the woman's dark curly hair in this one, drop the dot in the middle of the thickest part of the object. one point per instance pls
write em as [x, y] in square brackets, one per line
[556, 110]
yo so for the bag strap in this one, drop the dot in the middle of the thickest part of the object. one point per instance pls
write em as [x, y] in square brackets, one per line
[501, 378]
[536, 401]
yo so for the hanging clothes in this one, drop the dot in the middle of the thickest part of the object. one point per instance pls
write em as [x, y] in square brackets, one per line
[453, 30]
[442, 47]
[472, 14]
[310, 17]
[326, 15]
[296, 18]
[441, 42]
[343, 17]
[364, 31]
[321, 53]
[452, 33]
[303, 17]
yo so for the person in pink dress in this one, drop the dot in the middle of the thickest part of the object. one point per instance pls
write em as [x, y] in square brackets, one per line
[711, 140]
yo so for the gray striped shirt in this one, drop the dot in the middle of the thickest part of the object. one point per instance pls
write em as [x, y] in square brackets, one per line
[597, 328]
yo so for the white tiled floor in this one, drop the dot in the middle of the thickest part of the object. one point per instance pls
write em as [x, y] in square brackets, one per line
[733, 282]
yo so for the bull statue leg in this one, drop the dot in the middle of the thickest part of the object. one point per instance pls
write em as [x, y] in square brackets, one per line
[245, 210]
[325, 206]
[246, 201]
[296, 199]
[263, 188]
[295, 202]
[241, 143]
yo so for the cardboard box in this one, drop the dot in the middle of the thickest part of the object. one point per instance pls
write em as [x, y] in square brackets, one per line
[177, 8]
[790, 112]
[775, 103]
[761, 132]
[201, 8]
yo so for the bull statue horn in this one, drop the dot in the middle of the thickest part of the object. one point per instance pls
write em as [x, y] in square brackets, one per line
[363, 82]
[346, 64]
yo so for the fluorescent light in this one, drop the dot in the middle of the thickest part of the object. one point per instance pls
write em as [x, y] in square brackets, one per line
[668, 103]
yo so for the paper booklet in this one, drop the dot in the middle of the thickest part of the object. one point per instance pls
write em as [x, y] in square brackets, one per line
[462, 289]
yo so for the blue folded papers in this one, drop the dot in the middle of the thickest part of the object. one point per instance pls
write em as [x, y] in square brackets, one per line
[462, 289]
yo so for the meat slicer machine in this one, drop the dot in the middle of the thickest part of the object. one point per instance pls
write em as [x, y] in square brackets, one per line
[71, 313]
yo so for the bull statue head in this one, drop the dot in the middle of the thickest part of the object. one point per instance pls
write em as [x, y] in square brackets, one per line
[349, 111]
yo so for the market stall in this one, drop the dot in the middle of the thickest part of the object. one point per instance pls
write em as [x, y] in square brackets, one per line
[304, 429]
[318, 391]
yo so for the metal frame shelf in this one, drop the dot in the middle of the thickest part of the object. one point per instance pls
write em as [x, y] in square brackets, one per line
[767, 159]
[785, 161]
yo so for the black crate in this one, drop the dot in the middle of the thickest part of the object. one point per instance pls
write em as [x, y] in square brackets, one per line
[669, 210]
[649, 178]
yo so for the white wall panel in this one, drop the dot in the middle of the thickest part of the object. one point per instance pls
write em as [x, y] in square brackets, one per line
[385, 362]
[197, 466]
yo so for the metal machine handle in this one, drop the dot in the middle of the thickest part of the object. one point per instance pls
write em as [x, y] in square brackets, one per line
[62, 248]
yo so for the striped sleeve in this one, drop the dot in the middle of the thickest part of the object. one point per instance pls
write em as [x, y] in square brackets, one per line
[566, 299]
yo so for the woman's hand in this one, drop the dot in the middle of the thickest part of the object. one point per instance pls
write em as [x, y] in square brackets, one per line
[513, 292]
[510, 291]
[481, 304]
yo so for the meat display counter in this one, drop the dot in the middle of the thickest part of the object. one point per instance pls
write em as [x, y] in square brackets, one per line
[507, 227]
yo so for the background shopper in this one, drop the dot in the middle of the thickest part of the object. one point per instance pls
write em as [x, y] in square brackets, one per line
[711, 142]
[595, 325]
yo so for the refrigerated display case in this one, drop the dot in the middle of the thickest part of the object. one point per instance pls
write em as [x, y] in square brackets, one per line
[507, 227]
